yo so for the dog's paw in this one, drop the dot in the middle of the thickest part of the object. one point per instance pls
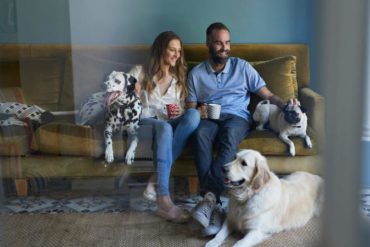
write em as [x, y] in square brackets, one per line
[239, 244]
[129, 159]
[260, 127]
[212, 243]
[109, 158]
[308, 142]
[292, 150]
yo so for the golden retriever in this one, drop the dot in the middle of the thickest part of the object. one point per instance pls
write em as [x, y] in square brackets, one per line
[262, 204]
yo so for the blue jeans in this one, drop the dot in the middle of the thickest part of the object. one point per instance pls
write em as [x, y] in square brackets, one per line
[226, 133]
[169, 139]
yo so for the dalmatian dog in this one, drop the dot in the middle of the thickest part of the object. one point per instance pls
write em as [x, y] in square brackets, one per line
[291, 121]
[123, 113]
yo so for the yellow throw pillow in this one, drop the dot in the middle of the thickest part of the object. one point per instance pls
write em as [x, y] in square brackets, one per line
[280, 75]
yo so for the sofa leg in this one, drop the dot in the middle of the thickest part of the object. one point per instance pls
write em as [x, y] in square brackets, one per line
[21, 186]
[193, 185]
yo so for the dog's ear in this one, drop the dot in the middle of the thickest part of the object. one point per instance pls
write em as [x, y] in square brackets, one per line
[303, 109]
[285, 108]
[262, 174]
[131, 82]
[111, 74]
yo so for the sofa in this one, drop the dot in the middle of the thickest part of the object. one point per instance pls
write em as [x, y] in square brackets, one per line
[59, 78]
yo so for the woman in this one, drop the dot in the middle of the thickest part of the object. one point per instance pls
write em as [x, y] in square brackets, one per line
[162, 81]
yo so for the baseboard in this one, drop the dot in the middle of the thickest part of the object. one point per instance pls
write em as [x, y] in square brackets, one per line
[93, 184]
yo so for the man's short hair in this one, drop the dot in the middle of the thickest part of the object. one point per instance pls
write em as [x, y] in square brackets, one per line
[215, 26]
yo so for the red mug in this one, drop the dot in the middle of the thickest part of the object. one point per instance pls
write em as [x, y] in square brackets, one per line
[171, 110]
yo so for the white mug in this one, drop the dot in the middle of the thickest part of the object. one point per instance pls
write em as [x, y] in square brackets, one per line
[213, 111]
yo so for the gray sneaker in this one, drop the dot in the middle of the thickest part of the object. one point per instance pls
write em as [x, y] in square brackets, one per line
[215, 223]
[203, 210]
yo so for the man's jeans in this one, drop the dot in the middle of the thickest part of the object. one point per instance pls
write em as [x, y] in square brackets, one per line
[226, 133]
[169, 139]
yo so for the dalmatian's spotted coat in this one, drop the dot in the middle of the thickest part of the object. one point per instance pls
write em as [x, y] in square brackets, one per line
[123, 113]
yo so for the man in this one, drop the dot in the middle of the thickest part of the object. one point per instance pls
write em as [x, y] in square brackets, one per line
[227, 81]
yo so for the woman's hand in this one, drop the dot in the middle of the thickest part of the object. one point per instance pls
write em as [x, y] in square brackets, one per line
[173, 110]
[176, 112]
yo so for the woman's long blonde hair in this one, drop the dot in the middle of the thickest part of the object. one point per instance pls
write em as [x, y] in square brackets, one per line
[153, 65]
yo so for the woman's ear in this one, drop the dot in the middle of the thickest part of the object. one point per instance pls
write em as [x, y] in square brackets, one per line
[262, 174]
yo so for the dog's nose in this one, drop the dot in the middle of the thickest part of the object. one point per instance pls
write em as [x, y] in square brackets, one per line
[225, 169]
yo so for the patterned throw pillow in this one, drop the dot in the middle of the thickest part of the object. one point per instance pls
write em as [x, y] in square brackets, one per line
[5, 120]
[93, 110]
[32, 113]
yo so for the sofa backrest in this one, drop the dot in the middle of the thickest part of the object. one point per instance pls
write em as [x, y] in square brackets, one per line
[261, 52]
[61, 77]
[37, 69]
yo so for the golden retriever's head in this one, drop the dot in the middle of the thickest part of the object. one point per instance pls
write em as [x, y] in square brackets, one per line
[248, 171]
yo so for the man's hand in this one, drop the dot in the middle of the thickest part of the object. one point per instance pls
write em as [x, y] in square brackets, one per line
[203, 111]
[294, 101]
[202, 108]
[265, 93]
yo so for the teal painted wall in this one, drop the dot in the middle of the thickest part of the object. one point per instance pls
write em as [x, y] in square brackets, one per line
[139, 21]
[42, 21]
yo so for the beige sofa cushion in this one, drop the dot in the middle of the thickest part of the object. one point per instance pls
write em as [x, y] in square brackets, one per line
[67, 139]
[71, 139]
[14, 140]
[268, 143]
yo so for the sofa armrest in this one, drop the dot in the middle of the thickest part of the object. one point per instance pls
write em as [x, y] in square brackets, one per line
[315, 105]
[65, 116]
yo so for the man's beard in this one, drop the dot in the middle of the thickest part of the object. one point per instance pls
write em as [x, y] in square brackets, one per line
[216, 58]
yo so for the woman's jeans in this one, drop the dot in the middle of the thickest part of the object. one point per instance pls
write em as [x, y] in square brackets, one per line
[169, 139]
